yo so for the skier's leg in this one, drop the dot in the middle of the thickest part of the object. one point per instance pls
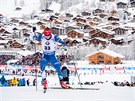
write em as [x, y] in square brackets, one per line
[56, 65]
[43, 64]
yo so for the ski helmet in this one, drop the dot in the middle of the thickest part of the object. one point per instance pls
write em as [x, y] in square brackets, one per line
[47, 32]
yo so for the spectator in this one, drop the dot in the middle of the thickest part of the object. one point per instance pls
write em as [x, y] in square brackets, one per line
[3, 81]
[34, 82]
[23, 82]
[28, 82]
[14, 81]
[20, 82]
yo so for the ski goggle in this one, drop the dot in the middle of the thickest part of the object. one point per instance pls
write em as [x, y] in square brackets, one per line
[47, 32]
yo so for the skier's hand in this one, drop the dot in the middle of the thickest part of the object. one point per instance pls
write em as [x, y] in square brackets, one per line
[34, 37]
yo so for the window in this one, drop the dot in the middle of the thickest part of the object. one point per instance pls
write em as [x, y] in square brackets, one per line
[101, 62]
[101, 56]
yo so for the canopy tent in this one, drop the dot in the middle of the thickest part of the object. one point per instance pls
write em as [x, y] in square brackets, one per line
[25, 53]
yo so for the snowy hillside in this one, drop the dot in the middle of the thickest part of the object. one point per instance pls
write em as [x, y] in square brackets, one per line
[7, 7]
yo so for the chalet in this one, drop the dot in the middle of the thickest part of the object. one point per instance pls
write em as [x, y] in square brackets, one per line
[47, 11]
[73, 41]
[113, 19]
[121, 5]
[69, 28]
[2, 30]
[102, 15]
[92, 23]
[57, 14]
[14, 20]
[23, 23]
[15, 29]
[103, 34]
[104, 57]
[115, 24]
[68, 15]
[58, 30]
[18, 8]
[57, 22]
[16, 44]
[109, 27]
[75, 34]
[96, 19]
[132, 4]
[81, 25]
[87, 27]
[81, 20]
[39, 23]
[117, 41]
[120, 31]
[53, 17]
[62, 17]
[45, 20]
[93, 31]
[98, 11]
[89, 18]
[96, 41]
[86, 13]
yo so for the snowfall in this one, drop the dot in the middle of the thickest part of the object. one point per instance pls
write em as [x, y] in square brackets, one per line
[97, 92]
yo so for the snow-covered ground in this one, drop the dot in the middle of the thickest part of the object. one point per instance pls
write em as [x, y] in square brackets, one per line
[107, 92]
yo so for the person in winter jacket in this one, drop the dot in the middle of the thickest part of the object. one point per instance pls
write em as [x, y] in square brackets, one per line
[3, 81]
[49, 43]
[14, 81]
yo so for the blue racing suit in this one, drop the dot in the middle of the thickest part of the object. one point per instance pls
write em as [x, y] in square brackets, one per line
[48, 46]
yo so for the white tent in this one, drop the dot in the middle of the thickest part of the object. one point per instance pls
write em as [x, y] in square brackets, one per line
[25, 53]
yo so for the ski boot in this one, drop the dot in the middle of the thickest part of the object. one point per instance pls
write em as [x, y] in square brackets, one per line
[63, 85]
[45, 85]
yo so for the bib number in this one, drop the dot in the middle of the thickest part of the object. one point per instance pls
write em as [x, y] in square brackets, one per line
[47, 47]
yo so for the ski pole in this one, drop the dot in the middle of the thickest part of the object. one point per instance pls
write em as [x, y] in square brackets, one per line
[76, 71]
[34, 29]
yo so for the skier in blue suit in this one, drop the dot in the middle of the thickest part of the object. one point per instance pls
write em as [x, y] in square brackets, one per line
[49, 43]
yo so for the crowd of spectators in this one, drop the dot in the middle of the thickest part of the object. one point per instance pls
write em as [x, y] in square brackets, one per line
[16, 82]
[5, 58]
[124, 83]
[31, 60]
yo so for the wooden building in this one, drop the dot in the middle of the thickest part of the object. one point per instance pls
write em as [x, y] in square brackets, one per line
[121, 5]
[120, 31]
[104, 57]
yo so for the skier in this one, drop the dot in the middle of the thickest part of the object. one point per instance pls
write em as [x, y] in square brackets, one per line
[49, 42]
[65, 73]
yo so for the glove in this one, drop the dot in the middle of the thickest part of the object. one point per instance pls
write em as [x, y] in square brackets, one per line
[67, 42]
[34, 29]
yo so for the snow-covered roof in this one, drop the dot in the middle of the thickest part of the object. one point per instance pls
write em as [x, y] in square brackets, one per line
[108, 52]
[3, 41]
